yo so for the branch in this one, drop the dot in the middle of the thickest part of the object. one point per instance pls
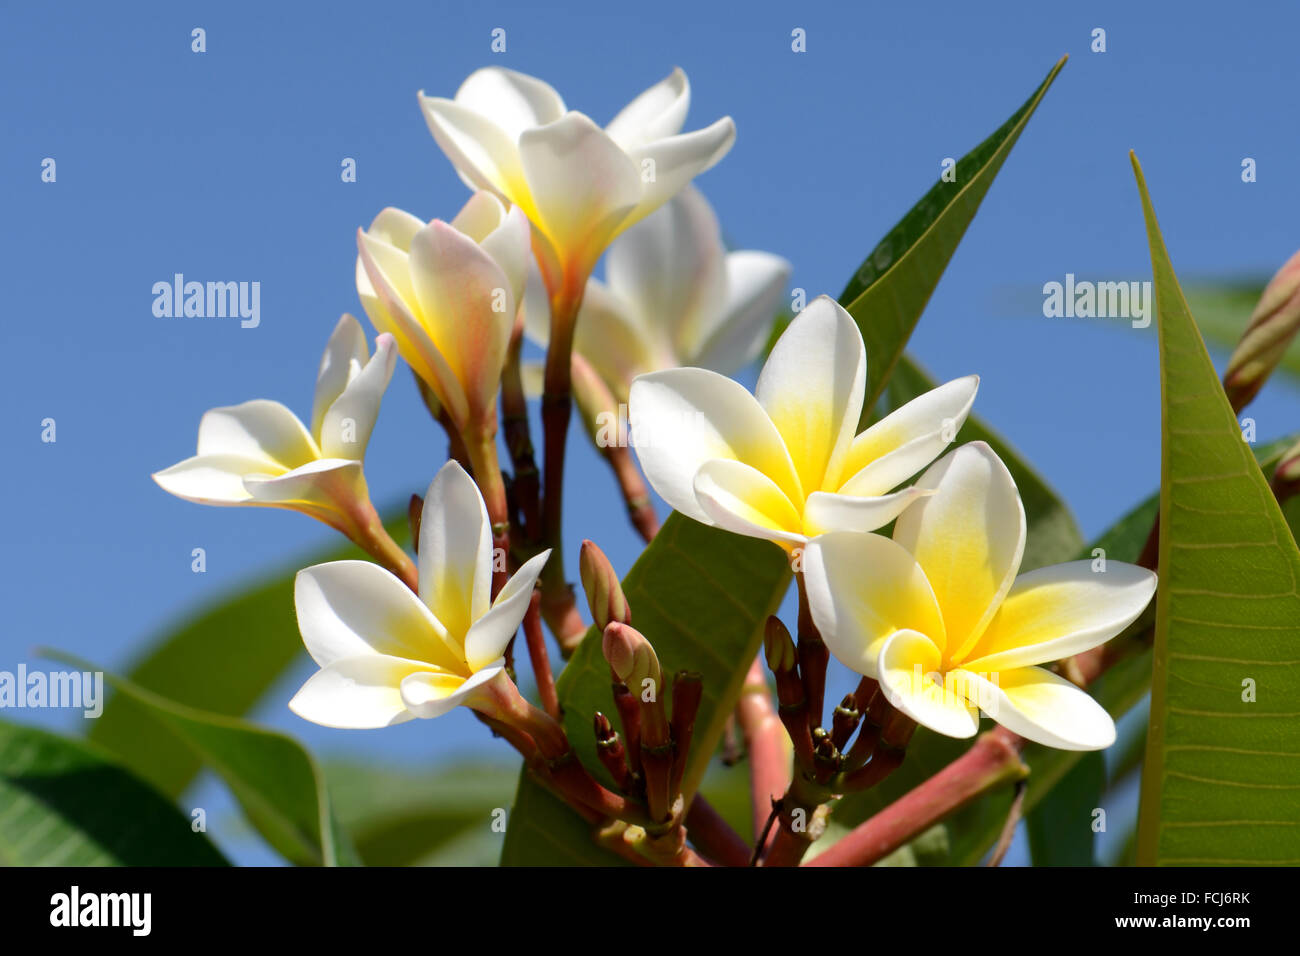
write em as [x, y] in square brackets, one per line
[769, 760]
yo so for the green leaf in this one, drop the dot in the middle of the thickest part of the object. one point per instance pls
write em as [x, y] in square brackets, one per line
[258, 637]
[1060, 829]
[701, 595]
[1221, 773]
[890, 289]
[444, 816]
[1053, 533]
[66, 803]
[277, 783]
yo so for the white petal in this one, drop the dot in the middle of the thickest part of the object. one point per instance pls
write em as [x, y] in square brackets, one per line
[458, 285]
[345, 354]
[813, 385]
[351, 609]
[427, 694]
[681, 418]
[213, 479]
[861, 589]
[909, 674]
[509, 247]
[1059, 611]
[455, 551]
[360, 693]
[743, 500]
[536, 305]
[258, 429]
[484, 154]
[825, 512]
[611, 340]
[670, 268]
[328, 483]
[489, 635]
[393, 314]
[513, 101]
[1047, 709]
[909, 438]
[969, 536]
[733, 337]
[396, 227]
[478, 218]
[583, 186]
[677, 160]
[656, 113]
[346, 426]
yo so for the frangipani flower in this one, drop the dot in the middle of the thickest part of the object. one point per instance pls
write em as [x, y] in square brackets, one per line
[259, 453]
[784, 463]
[580, 185]
[448, 292]
[387, 655]
[939, 617]
[673, 296]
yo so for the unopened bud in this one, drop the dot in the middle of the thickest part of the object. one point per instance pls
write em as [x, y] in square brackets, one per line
[1272, 326]
[604, 592]
[631, 657]
[1286, 479]
[778, 646]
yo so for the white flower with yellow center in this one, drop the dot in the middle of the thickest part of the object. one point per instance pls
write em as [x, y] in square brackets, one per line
[580, 185]
[785, 463]
[674, 296]
[260, 453]
[448, 293]
[388, 655]
[938, 616]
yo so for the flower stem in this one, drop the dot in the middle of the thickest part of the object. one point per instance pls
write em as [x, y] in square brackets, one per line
[559, 606]
[769, 758]
[519, 441]
[368, 532]
[538, 657]
[482, 450]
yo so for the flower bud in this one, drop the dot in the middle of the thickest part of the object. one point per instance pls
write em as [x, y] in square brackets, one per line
[631, 657]
[1286, 479]
[604, 593]
[1272, 326]
[778, 646]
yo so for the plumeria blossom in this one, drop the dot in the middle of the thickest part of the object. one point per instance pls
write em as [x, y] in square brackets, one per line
[940, 618]
[580, 185]
[448, 293]
[260, 453]
[674, 296]
[386, 654]
[785, 463]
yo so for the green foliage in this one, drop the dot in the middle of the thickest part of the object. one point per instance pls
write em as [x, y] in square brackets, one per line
[277, 783]
[890, 289]
[67, 803]
[1222, 764]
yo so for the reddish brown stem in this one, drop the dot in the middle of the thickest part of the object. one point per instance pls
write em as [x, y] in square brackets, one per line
[539, 658]
[769, 762]
[713, 836]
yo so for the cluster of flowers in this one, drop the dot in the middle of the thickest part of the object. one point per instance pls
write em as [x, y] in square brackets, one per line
[936, 613]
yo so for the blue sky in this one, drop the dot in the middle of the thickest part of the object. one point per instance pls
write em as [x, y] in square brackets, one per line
[225, 166]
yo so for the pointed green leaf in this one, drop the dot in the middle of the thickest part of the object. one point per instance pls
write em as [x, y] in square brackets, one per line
[701, 595]
[67, 803]
[1222, 767]
[277, 783]
[890, 289]
[1060, 828]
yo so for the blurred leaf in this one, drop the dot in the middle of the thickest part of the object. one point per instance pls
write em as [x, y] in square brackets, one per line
[1060, 828]
[276, 782]
[1221, 773]
[441, 817]
[1053, 534]
[222, 660]
[65, 803]
[543, 831]
[890, 289]
[701, 595]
